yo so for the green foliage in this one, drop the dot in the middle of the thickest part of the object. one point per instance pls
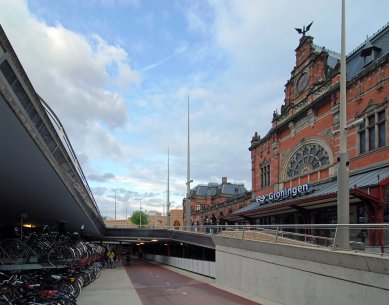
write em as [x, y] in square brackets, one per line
[139, 216]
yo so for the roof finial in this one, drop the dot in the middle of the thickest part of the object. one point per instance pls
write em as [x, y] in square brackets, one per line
[304, 30]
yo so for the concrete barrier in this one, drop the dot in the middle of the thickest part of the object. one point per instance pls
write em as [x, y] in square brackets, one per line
[295, 275]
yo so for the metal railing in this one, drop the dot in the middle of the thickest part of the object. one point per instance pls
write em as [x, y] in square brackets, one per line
[69, 148]
[368, 238]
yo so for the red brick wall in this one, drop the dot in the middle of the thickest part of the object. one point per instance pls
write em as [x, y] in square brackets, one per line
[371, 89]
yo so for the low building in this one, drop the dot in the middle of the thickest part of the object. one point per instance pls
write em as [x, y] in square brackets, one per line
[215, 201]
[176, 218]
[156, 219]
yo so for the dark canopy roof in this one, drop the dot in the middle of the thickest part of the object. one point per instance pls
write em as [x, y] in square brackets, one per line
[321, 195]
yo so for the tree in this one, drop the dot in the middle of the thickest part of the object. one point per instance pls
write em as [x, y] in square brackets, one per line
[135, 217]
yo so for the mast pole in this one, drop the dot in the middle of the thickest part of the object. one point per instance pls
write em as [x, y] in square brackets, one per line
[188, 209]
[343, 208]
[168, 192]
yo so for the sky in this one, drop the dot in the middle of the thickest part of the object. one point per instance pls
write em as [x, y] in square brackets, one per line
[118, 74]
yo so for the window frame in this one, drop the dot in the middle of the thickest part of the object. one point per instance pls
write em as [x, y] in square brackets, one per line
[372, 132]
[265, 174]
[307, 159]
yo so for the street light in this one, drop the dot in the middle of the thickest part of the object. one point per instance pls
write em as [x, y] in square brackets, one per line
[140, 213]
[188, 207]
[126, 216]
[343, 204]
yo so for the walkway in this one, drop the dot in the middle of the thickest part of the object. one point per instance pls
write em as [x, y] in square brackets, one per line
[112, 287]
[146, 283]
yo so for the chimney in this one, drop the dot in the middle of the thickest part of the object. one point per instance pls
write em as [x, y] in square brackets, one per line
[224, 180]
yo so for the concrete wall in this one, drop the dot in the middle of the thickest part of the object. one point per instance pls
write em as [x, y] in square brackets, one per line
[294, 275]
[206, 268]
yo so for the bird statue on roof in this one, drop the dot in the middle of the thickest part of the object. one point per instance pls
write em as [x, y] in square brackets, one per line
[304, 30]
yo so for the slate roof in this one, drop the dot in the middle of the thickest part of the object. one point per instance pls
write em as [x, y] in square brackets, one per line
[229, 189]
[333, 57]
[355, 62]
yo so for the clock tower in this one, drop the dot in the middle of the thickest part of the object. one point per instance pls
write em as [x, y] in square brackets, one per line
[311, 70]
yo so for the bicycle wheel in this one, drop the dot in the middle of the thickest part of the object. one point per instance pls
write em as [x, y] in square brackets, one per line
[69, 290]
[7, 294]
[15, 253]
[61, 256]
[98, 273]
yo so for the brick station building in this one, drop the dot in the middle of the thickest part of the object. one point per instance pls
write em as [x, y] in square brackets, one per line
[294, 166]
[214, 201]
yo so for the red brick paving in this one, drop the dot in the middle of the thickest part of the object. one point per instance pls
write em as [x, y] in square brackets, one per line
[156, 285]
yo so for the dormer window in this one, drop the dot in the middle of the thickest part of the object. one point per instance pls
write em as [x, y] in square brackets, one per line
[369, 52]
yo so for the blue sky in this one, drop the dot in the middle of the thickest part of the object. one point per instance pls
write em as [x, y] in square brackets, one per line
[118, 74]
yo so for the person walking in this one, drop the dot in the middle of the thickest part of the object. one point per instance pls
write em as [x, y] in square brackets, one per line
[111, 261]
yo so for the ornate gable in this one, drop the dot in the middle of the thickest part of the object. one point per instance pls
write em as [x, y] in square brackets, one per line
[301, 74]
[310, 78]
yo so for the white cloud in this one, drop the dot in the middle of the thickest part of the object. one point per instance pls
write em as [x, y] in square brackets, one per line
[69, 70]
[235, 75]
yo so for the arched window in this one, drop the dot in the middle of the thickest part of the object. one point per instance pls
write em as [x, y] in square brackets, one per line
[307, 159]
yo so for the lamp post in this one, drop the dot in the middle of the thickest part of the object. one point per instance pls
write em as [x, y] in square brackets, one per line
[140, 213]
[168, 191]
[188, 207]
[343, 208]
[126, 216]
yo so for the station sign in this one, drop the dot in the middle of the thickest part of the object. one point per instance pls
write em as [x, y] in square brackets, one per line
[284, 194]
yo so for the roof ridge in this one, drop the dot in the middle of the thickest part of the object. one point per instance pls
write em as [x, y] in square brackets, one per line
[368, 38]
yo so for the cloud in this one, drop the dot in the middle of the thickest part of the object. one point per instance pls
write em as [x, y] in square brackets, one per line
[101, 178]
[232, 58]
[177, 51]
[70, 71]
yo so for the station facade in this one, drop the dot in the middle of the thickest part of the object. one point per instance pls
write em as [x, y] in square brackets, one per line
[294, 166]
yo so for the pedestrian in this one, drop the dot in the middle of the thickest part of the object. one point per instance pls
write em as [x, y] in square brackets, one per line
[194, 224]
[207, 224]
[213, 223]
[115, 257]
[110, 257]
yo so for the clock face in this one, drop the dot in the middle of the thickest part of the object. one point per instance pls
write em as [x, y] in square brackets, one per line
[302, 82]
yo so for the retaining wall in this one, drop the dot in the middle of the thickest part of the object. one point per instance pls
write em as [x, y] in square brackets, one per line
[294, 275]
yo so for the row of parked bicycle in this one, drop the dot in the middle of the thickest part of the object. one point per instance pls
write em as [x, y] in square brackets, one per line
[46, 247]
[47, 286]
[47, 267]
